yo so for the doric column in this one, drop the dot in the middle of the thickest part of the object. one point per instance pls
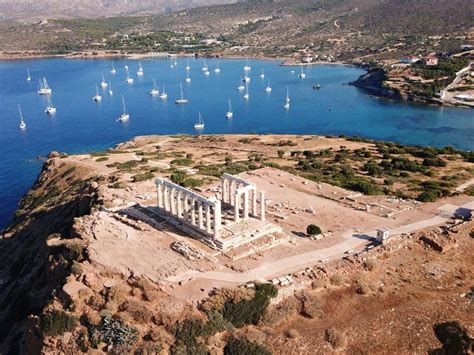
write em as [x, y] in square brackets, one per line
[173, 201]
[179, 205]
[246, 204]
[200, 219]
[224, 190]
[254, 202]
[217, 219]
[262, 205]
[192, 212]
[166, 198]
[208, 218]
[159, 188]
[231, 192]
[236, 206]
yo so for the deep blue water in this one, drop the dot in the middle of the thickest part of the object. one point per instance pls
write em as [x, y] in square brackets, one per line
[82, 125]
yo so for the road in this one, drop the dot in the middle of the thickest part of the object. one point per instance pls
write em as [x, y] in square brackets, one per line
[300, 261]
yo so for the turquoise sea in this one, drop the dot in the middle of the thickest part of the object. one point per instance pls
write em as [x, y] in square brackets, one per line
[82, 125]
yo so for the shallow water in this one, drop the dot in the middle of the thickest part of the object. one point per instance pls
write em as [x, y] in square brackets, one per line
[82, 125]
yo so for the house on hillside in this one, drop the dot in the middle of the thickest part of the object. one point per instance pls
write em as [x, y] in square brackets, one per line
[431, 59]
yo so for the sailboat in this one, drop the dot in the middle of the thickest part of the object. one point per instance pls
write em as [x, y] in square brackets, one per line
[97, 97]
[44, 88]
[154, 91]
[207, 72]
[113, 71]
[22, 121]
[247, 67]
[181, 100]
[268, 88]
[287, 100]
[205, 68]
[241, 86]
[103, 83]
[163, 94]
[124, 116]
[188, 79]
[188, 68]
[28, 78]
[111, 92]
[140, 69]
[200, 123]
[50, 109]
[129, 79]
[229, 113]
[302, 75]
[247, 95]
[262, 75]
[246, 78]
[217, 70]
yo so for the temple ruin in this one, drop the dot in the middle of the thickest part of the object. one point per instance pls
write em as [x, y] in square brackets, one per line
[234, 217]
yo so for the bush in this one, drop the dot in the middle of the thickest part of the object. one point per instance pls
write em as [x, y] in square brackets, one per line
[428, 196]
[102, 159]
[434, 162]
[76, 269]
[313, 229]
[336, 280]
[143, 176]
[178, 177]
[335, 338]
[242, 346]
[57, 323]
[182, 162]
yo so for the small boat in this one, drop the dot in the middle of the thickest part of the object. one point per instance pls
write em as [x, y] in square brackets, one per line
[268, 89]
[181, 100]
[262, 75]
[140, 69]
[175, 63]
[302, 75]
[292, 71]
[126, 67]
[124, 116]
[207, 72]
[50, 109]
[200, 123]
[188, 67]
[113, 71]
[44, 88]
[229, 113]
[205, 67]
[247, 67]
[163, 94]
[241, 86]
[217, 70]
[246, 78]
[287, 100]
[317, 87]
[188, 79]
[28, 78]
[97, 97]
[111, 92]
[247, 95]
[154, 91]
[22, 121]
[103, 83]
[129, 79]
[330, 108]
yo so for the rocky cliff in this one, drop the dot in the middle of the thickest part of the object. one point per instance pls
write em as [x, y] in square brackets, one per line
[373, 82]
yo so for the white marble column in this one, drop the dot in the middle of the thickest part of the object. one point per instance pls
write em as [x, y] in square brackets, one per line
[160, 195]
[254, 202]
[173, 201]
[217, 218]
[166, 198]
[246, 204]
[231, 192]
[236, 207]
[186, 208]
[179, 205]
[200, 219]
[224, 190]
[208, 218]
[262, 205]
[192, 210]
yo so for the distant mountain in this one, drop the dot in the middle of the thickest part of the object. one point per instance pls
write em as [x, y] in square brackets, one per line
[33, 9]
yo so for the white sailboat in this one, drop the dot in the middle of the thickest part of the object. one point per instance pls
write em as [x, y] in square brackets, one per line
[247, 95]
[268, 88]
[171, 65]
[129, 79]
[22, 121]
[200, 123]
[205, 67]
[188, 67]
[207, 72]
[103, 83]
[126, 67]
[302, 75]
[163, 94]
[97, 97]
[287, 100]
[154, 91]
[113, 71]
[241, 86]
[246, 78]
[140, 69]
[44, 88]
[28, 78]
[247, 67]
[229, 113]
[50, 109]
[262, 75]
[181, 100]
[124, 116]
[217, 70]
[188, 78]
[111, 92]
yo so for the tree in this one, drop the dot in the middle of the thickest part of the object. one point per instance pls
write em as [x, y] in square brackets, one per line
[178, 177]
[236, 346]
[454, 338]
[313, 229]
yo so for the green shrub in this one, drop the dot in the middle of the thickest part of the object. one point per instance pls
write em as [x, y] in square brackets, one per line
[243, 346]
[182, 162]
[434, 162]
[102, 159]
[178, 177]
[57, 323]
[143, 176]
[313, 229]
